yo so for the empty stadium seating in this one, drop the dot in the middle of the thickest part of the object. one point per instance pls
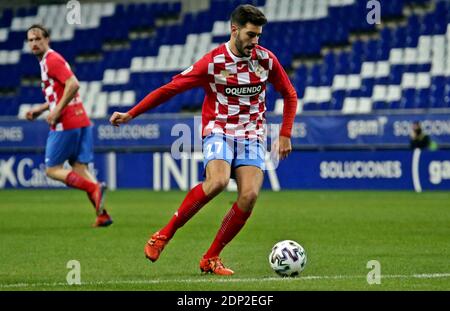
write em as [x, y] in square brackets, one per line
[338, 62]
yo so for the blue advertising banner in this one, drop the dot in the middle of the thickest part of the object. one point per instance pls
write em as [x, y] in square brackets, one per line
[431, 170]
[372, 170]
[347, 170]
[160, 131]
[27, 170]
[367, 130]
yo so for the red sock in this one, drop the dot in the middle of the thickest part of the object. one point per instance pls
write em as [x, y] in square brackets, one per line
[231, 225]
[193, 202]
[76, 181]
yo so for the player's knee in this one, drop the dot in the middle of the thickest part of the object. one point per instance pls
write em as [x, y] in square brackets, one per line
[248, 198]
[220, 184]
[217, 184]
[49, 172]
[53, 172]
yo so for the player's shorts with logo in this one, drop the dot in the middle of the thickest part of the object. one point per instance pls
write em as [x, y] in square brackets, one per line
[236, 151]
[74, 145]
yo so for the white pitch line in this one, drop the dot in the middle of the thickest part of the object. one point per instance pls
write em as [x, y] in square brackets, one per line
[229, 280]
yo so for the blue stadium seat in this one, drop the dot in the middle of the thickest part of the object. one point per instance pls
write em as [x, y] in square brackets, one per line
[395, 76]
[446, 100]
[355, 64]
[367, 87]
[337, 100]
[380, 105]
[30, 95]
[91, 41]
[408, 99]
[327, 75]
[392, 8]
[9, 105]
[15, 41]
[343, 63]
[437, 96]
[314, 78]
[422, 99]
[88, 71]
[371, 49]
[427, 25]
[29, 65]
[6, 18]
[399, 38]
[9, 76]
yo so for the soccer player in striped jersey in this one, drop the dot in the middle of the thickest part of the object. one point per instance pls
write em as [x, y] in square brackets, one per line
[70, 136]
[234, 76]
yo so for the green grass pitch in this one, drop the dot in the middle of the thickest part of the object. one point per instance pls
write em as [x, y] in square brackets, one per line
[408, 233]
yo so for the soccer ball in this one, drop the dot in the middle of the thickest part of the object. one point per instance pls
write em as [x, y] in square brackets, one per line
[287, 258]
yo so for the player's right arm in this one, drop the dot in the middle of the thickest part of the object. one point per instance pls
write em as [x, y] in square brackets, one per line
[36, 111]
[194, 76]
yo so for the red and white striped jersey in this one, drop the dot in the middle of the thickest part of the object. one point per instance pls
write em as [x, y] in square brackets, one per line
[235, 101]
[54, 73]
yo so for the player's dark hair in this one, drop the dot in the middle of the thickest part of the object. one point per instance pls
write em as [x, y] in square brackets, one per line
[44, 30]
[246, 13]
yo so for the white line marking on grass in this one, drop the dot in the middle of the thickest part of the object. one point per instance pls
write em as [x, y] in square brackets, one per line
[212, 279]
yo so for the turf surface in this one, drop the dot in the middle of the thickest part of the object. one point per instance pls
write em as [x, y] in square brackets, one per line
[408, 233]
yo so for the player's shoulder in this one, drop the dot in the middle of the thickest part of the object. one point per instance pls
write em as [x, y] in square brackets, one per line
[52, 56]
[263, 53]
[212, 55]
[218, 50]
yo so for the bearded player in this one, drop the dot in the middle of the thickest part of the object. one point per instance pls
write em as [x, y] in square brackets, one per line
[234, 77]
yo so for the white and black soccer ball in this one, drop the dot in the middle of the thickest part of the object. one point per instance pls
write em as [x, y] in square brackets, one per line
[287, 258]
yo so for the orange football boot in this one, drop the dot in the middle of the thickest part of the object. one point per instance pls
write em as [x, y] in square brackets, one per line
[214, 265]
[155, 246]
[103, 220]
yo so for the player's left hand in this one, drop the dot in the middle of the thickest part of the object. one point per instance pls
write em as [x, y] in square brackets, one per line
[32, 114]
[120, 118]
[53, 116]
[284, 147]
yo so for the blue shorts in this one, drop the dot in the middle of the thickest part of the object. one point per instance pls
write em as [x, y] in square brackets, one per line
[74, 145]
[236, 151]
